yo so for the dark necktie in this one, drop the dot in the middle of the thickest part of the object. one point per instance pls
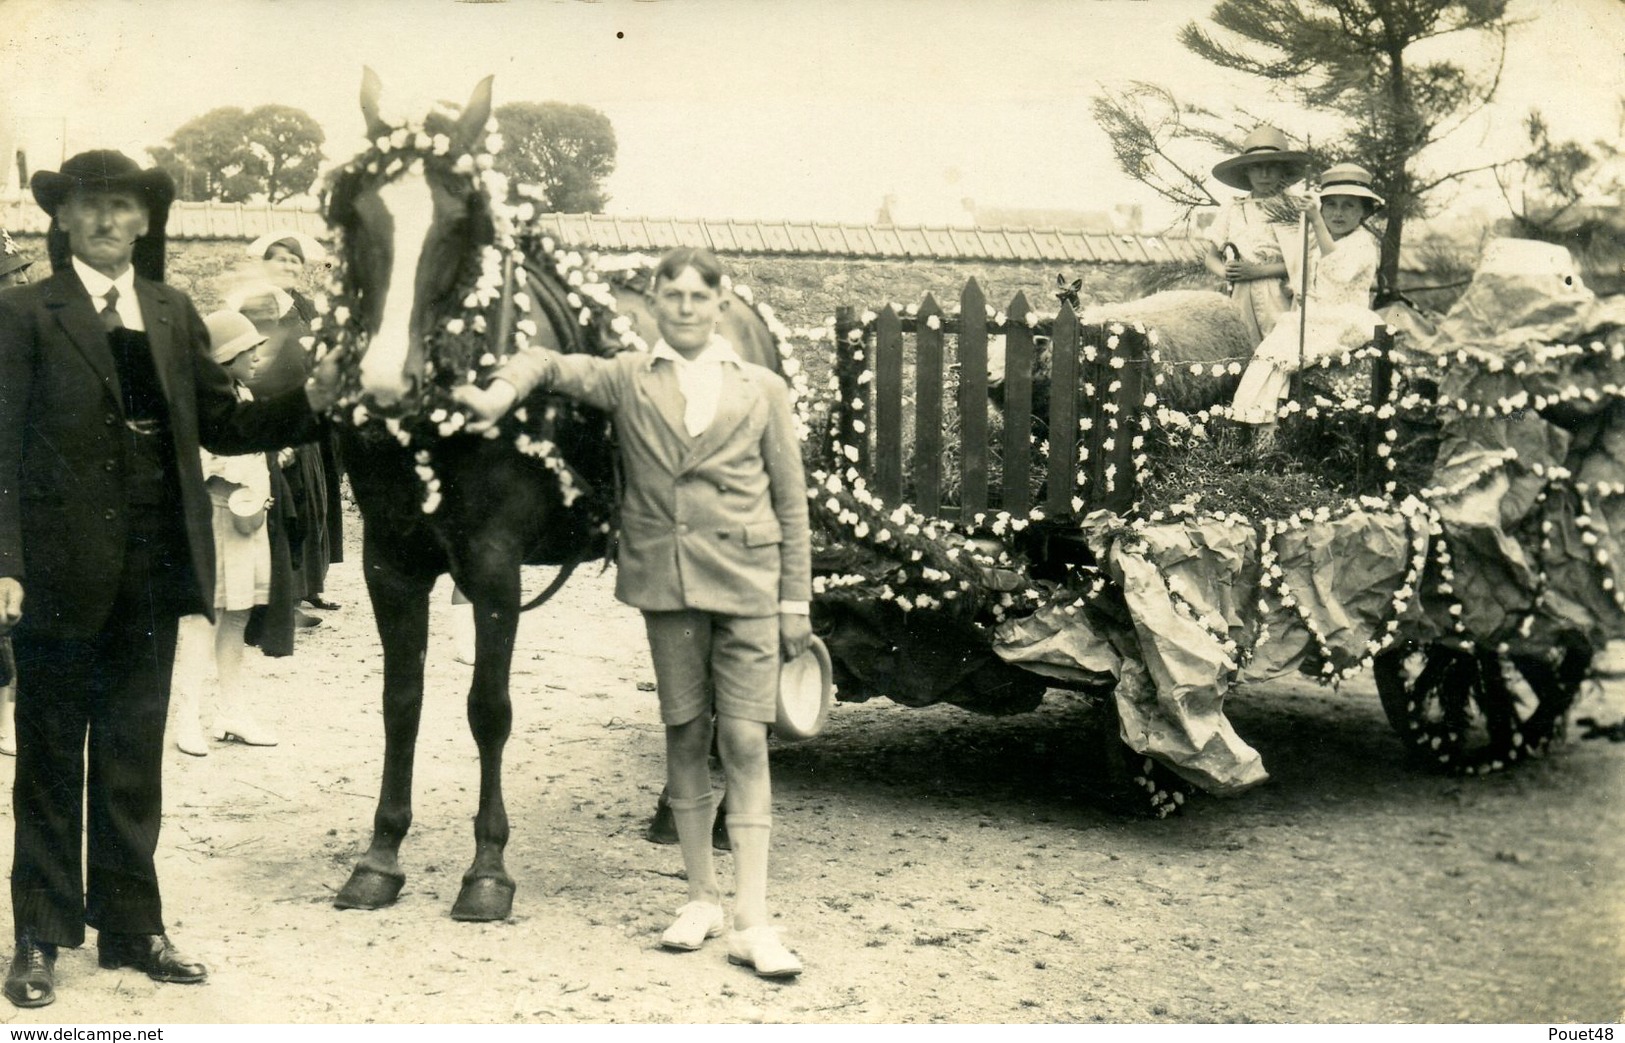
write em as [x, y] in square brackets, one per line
[109, 312]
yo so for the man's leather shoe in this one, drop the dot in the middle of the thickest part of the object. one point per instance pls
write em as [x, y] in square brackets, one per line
[153, 954]
[31, 981]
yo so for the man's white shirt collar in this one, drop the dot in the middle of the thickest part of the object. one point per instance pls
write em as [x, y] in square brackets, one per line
[97, 284]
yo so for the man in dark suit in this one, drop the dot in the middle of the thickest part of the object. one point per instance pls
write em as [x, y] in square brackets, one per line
[107, 390]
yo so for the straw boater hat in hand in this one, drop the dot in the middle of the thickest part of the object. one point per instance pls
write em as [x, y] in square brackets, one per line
[104, 170]
[1263, 145]
[1348, 179]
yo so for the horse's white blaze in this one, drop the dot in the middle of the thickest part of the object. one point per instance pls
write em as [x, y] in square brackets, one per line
[383, 367]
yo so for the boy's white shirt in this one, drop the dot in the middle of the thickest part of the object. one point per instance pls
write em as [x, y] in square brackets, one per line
[699, 379]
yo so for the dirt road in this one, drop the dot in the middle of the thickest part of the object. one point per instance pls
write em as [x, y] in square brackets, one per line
[930, 865]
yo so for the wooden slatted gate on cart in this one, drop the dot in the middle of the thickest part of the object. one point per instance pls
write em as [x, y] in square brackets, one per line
[916, 442]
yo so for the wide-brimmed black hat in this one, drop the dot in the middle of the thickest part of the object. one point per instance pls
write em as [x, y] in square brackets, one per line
[103, 170]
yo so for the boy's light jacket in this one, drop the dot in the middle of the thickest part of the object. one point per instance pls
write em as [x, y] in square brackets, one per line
[716, 522]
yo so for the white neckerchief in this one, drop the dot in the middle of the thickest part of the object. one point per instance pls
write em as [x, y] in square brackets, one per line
[128, 308]
[699, 379]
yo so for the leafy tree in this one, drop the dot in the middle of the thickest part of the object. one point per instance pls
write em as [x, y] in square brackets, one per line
[231, 155]
[208, 157]
[1355, 58]
[286, 145]
[568, 150]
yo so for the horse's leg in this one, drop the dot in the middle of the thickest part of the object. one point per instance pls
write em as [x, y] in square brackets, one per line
[490, 578]
[400, 606]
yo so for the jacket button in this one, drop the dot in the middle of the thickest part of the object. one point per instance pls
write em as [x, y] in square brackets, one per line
[110, 514]
[682, 528]
[110, 420]
[722, 534]
[110, 466]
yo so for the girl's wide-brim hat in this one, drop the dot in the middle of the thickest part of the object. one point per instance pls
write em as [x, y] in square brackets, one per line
[1347, 179]
[1263, 145]
[806, 693]
[230, 334]
[104, 170]
[307, 247]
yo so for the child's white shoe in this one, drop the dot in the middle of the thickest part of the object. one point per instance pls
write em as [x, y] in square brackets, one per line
[759, 949]
[463, 636]
[189, 736]
[695, 922]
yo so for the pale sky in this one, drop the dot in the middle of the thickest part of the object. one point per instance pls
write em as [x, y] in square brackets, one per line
[772, 109]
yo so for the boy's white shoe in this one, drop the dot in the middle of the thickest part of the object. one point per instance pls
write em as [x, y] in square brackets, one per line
[759, 949]
[695, 922]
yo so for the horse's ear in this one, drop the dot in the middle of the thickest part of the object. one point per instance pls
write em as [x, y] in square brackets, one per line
[1077, 284]
[371, 89]
[471, 124]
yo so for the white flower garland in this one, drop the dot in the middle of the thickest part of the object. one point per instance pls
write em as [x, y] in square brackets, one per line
[464, 333]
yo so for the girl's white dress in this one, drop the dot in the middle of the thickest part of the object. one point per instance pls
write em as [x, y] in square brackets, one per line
[242, 563]
[1339, 319]
[1243, 221]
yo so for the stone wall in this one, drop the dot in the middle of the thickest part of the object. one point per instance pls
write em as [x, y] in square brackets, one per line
[803, 291]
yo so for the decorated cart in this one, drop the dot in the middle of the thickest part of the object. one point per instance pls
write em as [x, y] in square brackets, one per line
[1083, 515]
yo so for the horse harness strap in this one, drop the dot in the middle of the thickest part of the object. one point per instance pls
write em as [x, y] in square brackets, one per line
[505, 308]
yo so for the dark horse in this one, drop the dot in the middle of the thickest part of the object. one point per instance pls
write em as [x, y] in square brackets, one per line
[442, 274]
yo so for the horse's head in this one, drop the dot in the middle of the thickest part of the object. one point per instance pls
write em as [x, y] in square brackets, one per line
[413, 217]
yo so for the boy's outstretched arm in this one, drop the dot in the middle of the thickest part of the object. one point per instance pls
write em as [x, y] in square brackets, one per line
[586, 377]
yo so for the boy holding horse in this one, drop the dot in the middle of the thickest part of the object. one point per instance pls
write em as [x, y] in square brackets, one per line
[715, 552]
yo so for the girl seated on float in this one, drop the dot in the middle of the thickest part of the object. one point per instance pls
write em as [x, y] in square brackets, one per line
[1247, 241]
[1342, 266]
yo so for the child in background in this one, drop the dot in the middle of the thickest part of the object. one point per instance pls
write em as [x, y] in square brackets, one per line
[1342, 267]
[240, 489]
[1260, 226]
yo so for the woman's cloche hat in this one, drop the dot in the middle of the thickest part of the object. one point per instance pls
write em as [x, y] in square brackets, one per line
[1264, 145]
[306, 247]
[806, 693]
[1347, 179]
[230, 334]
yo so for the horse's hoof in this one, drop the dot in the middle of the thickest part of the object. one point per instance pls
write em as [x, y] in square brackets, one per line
[483, 899]
[369, 888]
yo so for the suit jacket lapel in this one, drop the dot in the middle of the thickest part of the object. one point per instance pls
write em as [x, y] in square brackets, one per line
[68, 299]
[661, 394]
[160, 335]
[733, 405]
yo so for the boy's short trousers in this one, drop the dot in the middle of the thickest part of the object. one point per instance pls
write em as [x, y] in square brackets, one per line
[695, 652]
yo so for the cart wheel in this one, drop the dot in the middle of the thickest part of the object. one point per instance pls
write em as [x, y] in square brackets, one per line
[1430, 692]
[1527, 707]
[1427, 692]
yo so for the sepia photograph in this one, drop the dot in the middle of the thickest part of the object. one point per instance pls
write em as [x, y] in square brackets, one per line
[762, 512]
